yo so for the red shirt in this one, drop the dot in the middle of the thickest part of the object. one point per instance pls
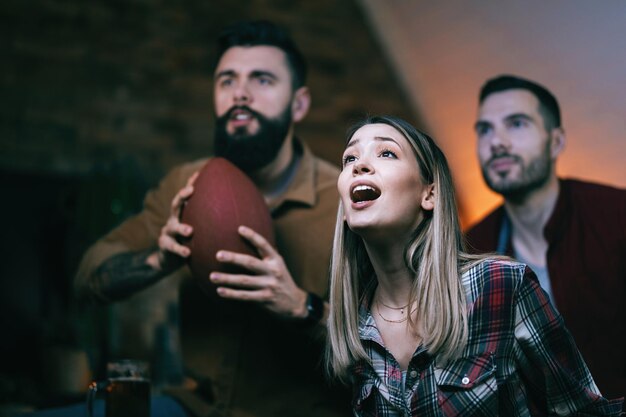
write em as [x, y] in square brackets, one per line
[586, 235]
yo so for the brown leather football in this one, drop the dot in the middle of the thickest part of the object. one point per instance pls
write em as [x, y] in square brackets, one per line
[224, 198]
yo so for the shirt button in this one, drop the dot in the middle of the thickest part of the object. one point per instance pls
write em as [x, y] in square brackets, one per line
[413, 374]
[465, 381]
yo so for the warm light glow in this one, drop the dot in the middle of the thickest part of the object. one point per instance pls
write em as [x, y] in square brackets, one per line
[443, 69]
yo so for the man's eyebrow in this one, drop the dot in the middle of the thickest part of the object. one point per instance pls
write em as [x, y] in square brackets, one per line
[253, 74]
[263, 73]
[225, 73]
[507, 118]
[518, 116]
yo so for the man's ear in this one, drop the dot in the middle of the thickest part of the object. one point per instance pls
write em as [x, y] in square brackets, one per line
[300, 104]
[557, 142]
[428, 198]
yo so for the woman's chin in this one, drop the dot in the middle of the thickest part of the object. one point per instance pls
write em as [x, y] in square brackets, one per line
[372, 232]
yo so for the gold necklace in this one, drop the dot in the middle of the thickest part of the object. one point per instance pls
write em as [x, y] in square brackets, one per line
[394, 308]
[402, 320]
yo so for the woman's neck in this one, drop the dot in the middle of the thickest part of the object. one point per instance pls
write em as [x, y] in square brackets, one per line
[393, 276]
[391, 306]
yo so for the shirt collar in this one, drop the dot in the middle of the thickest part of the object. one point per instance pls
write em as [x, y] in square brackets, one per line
[367, 325]
[562, 209]
[551, 231]
[302, 187]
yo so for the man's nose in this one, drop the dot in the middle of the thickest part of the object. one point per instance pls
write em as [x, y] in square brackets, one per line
[242, 94]
[500, 140]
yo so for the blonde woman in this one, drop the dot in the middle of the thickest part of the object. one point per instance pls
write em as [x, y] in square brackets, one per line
[419, 327]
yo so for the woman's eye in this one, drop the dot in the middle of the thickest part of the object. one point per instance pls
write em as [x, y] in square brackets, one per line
[388, 154]
[348, 158]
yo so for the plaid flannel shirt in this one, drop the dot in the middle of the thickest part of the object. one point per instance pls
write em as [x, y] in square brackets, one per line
[520, 359]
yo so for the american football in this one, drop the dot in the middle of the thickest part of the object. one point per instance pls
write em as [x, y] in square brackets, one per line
[224, 198]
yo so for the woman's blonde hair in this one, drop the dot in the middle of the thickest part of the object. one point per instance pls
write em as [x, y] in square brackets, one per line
[435, 255]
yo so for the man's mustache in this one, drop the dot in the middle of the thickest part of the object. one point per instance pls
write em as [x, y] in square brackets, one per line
[503, 155]
[229, 113]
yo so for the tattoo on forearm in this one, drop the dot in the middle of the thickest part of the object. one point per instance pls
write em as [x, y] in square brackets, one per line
[124, 274]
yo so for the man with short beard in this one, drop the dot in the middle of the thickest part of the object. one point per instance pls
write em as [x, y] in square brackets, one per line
[571, 233]
[259, 355]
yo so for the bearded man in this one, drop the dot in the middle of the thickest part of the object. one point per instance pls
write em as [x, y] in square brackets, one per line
[571, 233]
[257, 353]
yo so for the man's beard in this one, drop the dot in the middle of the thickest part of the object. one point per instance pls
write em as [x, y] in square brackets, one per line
[533, 176]
[251, 152]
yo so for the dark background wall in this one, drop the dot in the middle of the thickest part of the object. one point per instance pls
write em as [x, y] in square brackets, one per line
[99, 100]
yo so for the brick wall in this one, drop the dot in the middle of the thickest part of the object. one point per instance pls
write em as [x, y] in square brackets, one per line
[86, 84]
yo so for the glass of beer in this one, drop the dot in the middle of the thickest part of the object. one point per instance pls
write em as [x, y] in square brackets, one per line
[126, 390]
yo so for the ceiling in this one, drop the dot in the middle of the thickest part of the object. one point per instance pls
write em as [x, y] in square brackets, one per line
[444, 51]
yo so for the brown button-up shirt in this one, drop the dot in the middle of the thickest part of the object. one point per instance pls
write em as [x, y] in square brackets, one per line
[249, 362]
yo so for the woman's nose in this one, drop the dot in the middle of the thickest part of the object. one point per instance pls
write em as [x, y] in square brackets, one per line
[362, 167]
